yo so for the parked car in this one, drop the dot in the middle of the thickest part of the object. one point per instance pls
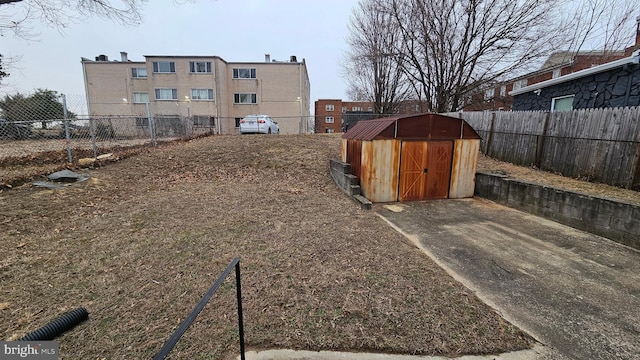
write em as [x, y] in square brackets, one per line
[259, 124]
[14, 130]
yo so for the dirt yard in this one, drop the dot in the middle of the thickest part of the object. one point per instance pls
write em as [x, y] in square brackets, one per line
[141, 241]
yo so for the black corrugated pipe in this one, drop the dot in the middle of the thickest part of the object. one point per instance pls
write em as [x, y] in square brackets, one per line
[58, 326]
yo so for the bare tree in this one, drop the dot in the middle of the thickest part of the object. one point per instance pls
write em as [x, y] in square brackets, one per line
[16, 16]
[451, 47]
[371, 65]
[603, 25]
[3, 73]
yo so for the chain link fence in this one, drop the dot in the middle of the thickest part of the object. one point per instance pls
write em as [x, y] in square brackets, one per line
[46, 122]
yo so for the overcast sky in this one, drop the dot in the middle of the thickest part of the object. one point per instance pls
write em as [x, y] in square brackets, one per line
[236, 30]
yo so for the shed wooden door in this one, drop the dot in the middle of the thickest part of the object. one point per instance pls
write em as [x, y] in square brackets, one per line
[425, 170]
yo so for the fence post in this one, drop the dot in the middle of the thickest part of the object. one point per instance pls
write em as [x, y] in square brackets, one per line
[92, 131]
[240, 320]
[490, 137]
[152, 133]
[66, 127]
[541, 141]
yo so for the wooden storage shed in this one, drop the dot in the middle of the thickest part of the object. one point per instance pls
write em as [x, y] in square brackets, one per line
[416, 157]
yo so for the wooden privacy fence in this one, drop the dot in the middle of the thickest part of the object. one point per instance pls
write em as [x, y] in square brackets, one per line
[601, 145]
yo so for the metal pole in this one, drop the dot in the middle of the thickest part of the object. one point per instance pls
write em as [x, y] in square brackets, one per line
[240, 321]
[302, 127]
[188, 123]
[66, 127]
[152, 133]
[173, 340]
[93, 137]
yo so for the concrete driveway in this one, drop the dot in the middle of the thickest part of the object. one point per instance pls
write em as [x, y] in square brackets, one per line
[575, 292]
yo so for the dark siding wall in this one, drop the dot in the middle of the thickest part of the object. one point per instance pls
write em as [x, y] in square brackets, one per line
[614, 88]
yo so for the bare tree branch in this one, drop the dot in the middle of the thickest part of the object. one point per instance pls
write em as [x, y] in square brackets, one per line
[448, 49]
[17, 15]
[371, 66]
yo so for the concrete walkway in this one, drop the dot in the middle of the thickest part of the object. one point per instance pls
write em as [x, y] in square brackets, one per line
[537, 353]
[577, 293]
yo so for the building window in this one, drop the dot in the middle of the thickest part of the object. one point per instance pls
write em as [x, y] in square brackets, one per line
[344, 109]
[519, 84]
[246, 98]
[139, 73]
[201, 94]
[203, 121]
[328, 107]
[238, 122]
[244, 73]
[562, 103]
[503, 90]
[200, 66]
[328, 119]
[356, 108]
[142, 122]
[556, 73]
[328, 130]
[370, 109]
[164, 67]
[166, 94]
[489, 94]
[140, 97]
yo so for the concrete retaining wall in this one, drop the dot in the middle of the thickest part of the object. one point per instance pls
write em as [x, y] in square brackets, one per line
[615, 220]
[341, 174]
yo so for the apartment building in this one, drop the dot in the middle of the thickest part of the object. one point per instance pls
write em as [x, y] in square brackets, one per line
[206, 88]
[330, 113]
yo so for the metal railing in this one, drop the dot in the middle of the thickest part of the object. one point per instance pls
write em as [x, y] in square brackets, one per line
[173, 340]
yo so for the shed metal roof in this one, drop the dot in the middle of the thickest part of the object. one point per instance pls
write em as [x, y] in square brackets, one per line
[369, 129]
[421, 126]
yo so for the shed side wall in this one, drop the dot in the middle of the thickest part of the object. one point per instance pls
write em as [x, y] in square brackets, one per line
[379, 175]
[463, 171]
[343, 150]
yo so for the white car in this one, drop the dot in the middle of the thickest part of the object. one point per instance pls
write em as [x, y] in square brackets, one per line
[258, 124]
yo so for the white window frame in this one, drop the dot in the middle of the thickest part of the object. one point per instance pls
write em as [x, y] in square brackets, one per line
[344, 109]
[237, 98]
[555, 99]
[158, 64]
[329, 120]
[370, 109]
[489, 94]
[240, 71]
[556, 73]
[194, 67]
[135, 72]
[141, 97]
[196, 94]
[329, 107]
[356, 108]
[158, 92]
[503, 90]
[329, 131]
[519, 84]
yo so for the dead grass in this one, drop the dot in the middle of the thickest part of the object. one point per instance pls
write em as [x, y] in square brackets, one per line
[142, 240]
